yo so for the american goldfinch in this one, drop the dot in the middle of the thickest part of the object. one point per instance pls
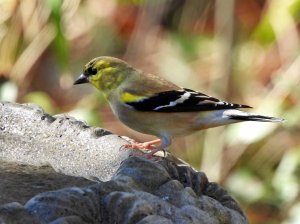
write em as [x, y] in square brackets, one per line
[150, 104]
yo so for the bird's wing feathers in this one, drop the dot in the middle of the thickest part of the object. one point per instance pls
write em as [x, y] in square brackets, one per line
[184, 100]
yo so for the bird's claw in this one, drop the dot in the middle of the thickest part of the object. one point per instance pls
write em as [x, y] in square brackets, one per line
[148, 150]
[138, 146]
[141, 146]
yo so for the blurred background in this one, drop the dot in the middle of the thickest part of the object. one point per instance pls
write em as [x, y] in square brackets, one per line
[242, 51]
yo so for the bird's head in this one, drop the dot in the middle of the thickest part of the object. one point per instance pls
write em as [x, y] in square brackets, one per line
[105, 73]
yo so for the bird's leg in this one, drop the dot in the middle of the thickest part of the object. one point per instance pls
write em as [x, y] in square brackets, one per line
[150, 146]
[142, 146]
[165, 142]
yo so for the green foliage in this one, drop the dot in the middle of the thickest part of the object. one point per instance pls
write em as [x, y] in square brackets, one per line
[60, 43]
[264, 32]
[41, 99]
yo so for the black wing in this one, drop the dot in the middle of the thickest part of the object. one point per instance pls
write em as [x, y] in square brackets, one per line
[184, 100]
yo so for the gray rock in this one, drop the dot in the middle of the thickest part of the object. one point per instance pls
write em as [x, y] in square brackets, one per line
[20, 182]
[15, 213]
[139, 190]
[30, 136]
[128, 198]
[155, 219]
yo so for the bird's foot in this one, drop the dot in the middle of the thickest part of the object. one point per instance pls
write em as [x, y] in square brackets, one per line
[148, 148]
[144, 146]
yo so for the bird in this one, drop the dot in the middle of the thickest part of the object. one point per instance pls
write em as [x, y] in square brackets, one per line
[152, 105]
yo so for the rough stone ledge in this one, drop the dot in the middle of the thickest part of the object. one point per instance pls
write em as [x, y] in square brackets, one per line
[141, 191]
[137, 191]
[28, 135]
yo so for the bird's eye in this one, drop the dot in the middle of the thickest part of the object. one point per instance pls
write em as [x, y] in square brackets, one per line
[92, 71]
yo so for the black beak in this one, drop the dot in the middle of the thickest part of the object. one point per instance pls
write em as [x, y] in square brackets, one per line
[81, 79]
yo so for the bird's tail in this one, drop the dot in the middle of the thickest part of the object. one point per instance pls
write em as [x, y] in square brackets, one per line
[254, 117]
